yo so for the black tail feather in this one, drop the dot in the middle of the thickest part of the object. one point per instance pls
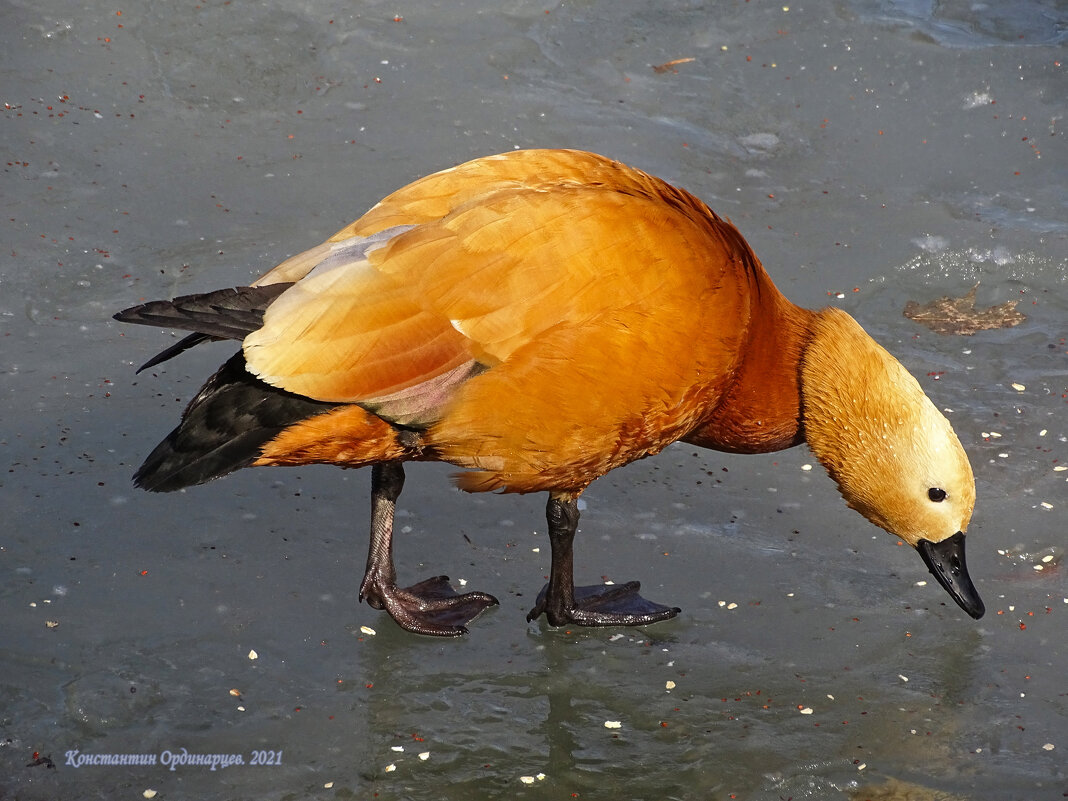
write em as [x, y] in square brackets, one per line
[223, 429]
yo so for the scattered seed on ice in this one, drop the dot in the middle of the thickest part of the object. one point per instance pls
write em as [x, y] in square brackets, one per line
[149, 793]
[862, 765]
[1019, 387]
[328, 785]
[921, 583]
[536, 550]
[236, 693]
[613, 724]
[390, 767]
[732, 605]
[370, 632]
[1060, 468]
[253, 655]
[424, 755]
[397, 748]
[806, 711]
[669, 685]
[1048, 747]
[1042, 433]
[830, 696]
[1045, 505]
[903, 678]
[806, 467]
[462, 582]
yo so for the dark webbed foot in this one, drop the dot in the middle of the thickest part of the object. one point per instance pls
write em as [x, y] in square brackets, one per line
[429, 607]
[603, 605]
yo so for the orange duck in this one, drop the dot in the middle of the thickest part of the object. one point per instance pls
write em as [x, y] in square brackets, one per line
[538, 318]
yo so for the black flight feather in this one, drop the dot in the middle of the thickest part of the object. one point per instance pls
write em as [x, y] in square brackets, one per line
[222, 314]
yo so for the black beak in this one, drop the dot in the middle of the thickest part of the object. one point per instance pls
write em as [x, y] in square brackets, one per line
[945, 560]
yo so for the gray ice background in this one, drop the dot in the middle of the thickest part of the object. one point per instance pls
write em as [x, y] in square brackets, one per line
[872, 151]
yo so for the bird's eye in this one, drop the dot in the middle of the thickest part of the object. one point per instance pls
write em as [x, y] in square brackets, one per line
[936, 494]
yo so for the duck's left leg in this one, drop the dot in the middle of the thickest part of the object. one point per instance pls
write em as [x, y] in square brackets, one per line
[601, 605]
[429, 607]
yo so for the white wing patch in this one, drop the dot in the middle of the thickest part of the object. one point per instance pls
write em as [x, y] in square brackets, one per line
[349, 252]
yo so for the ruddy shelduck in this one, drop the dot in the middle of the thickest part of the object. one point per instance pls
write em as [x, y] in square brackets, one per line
[538, 318]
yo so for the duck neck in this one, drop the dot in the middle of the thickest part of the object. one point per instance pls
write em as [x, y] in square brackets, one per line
[760, 410]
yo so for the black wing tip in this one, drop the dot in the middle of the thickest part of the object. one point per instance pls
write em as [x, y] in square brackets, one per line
[128, 315]
[178, 348]
[231, 313]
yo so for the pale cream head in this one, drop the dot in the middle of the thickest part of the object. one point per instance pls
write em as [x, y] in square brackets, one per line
[894, 456]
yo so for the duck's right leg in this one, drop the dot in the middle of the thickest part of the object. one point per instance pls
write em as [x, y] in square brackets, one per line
[598, 605]
[429, 607]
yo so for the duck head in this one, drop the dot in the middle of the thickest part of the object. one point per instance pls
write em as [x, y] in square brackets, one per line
[894, 456]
